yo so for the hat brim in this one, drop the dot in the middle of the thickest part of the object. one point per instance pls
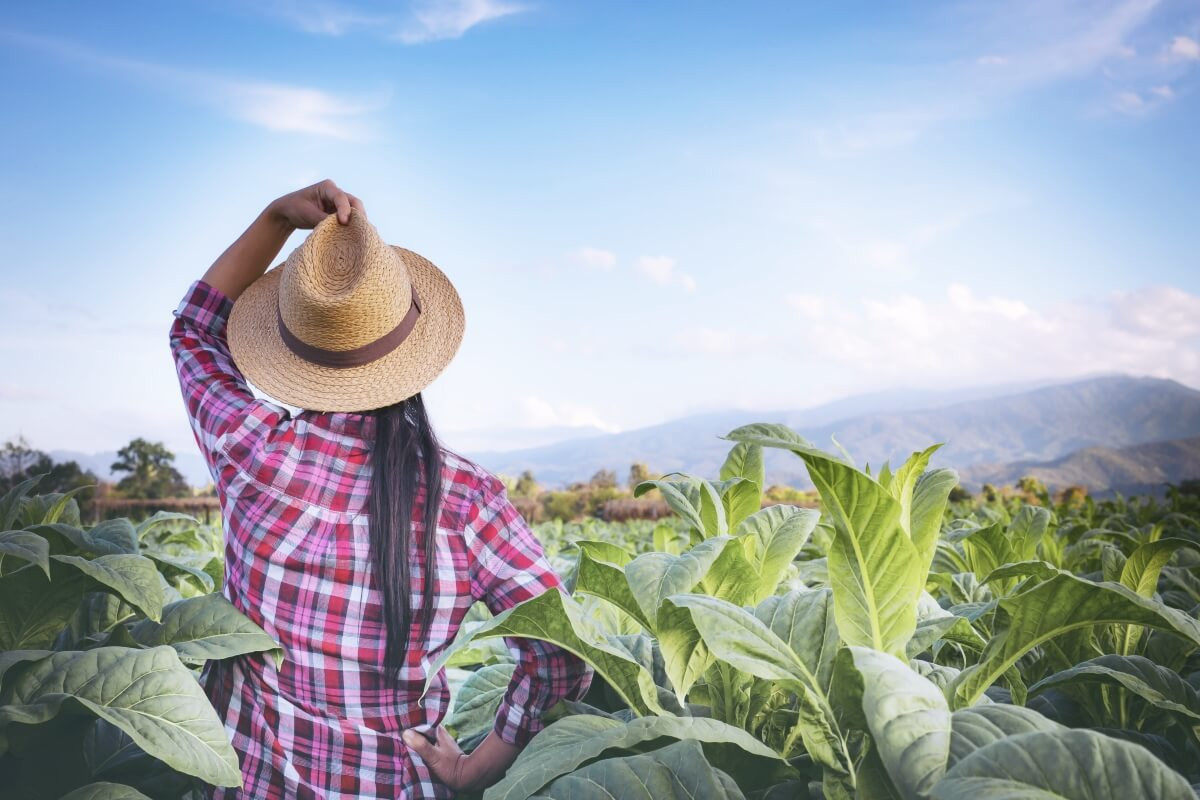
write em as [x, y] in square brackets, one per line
[262, 357]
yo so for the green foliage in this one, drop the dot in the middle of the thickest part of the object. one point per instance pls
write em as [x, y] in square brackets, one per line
[883, 648]
[102, 632]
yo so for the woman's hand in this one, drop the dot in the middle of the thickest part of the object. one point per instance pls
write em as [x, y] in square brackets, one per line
[306, 207]
[247, 258]
[486, 764]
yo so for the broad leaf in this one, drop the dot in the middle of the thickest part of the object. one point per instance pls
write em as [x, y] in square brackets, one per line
[779, 533]
[1057, 606]
[1073, 764]
[205, 628]
[33, 610]
[105, 791]
[477, 700]
[134, 578]
[553, 617]
[562, 747]
[676, 772]
[978, 726]
[806, 622]
[26, 546]
[653, 577]
[908, 719]
[607, 581]
[1159, 686]
[149, 694]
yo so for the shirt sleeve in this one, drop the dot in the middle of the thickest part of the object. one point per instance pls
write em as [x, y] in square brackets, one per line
[508, 567]
[217, 396]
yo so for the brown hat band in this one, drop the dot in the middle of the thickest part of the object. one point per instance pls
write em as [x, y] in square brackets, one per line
[369, 352]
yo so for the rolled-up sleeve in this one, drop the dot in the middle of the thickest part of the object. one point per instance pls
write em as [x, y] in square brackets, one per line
[217, 397]
[508, 567]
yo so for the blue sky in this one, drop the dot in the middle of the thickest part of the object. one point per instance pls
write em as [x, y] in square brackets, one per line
[649, 209]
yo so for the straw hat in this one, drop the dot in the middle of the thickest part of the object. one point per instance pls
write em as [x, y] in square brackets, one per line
[347, 322]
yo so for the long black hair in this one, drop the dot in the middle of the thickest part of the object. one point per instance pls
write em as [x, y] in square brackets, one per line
[404, 450]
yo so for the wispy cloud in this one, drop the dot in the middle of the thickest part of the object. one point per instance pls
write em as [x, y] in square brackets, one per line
[595, 257]
[274, 106]
[661, 270]
[422, 21]
[998, 53]
[1184, 48]
[1152, 330]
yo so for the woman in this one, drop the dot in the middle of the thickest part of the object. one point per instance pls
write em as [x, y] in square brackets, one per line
[352, 536]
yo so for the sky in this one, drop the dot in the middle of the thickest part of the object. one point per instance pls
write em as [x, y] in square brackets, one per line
[648, 209]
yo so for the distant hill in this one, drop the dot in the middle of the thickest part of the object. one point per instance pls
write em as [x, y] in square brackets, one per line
[1035, 425]
[1130, 470]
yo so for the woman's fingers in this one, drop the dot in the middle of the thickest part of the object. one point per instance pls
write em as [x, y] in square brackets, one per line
[333, 199]
[442, 758]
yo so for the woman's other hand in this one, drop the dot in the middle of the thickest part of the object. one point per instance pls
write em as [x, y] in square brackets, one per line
[306, 207]
[486, 764]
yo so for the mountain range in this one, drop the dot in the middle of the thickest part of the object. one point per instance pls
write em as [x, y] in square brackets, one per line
[1022, 426]
[1103, 432]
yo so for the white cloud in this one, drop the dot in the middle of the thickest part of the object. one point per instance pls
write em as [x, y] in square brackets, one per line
[707, 341]
[1165, 92]
[1128, 103]
[963, 337]
[661, 270]
[991, 61]
[596, 258]
[1184, 48]
[274, 106]
[809, 305]
[422, 21]
[450, 19]
[537, 412]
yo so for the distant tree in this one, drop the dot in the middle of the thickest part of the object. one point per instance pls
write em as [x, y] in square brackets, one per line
[1034, 490]
[604, 479]
[638, 472]
[958, 494]
[526, 486]
[20, 462]
[152, 474]
[1072, 496]
[989, 493]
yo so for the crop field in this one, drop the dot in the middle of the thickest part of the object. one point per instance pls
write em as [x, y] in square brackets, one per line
[890, 645]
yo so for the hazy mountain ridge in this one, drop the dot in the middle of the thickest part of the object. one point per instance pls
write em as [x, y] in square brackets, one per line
[1137, 468]
[1037, 425]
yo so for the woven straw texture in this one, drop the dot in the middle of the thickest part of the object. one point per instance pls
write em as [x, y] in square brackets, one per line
[342, 288]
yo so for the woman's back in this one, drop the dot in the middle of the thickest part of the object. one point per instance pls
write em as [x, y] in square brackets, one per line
[294, 496]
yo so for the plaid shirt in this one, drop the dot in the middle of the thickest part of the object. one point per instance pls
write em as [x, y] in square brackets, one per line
[293, 495]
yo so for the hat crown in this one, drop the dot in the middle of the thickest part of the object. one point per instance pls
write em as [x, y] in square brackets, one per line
[343, 287]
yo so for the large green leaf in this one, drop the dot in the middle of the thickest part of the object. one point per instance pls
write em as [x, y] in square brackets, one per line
[26, 546]
[1159, 686]
[1056, 606]
[553, 617]
[683, 497]
[740, 499]
[676, 772]
[779, 533]
[111, 537]
[132, 577]
[873, 565]
[478, 698]
[653, 577]
[149, 694]
[205, 628]
[562, 747]
[929, 499]
[1144, 564]
[104, 790]
[160, 517]
[33, 610]
[685, 655]
[1071, 764]
[935, 623]
[10, 503]
[805, 620]
[738, 638]
[1026, 530]
[745, 460]
[978, 726]
[908, 719]
[607, 581]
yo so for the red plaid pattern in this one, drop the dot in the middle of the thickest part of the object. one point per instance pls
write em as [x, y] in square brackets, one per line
[293, 495]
